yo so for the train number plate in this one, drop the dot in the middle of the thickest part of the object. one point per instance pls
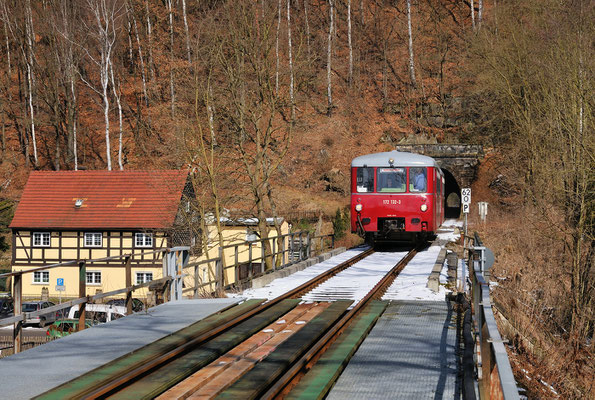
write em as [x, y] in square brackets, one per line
[394, 202]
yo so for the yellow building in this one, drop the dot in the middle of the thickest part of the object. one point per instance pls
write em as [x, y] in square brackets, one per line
[90, 215]
[242, 250]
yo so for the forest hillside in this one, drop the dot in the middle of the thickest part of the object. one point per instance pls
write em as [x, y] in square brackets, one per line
[267, 102]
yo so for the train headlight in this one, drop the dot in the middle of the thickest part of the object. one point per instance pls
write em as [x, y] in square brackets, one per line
[424, 207]
[358, 207]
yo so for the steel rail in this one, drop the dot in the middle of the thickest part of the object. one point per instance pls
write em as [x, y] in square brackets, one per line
[306, 362]
[112, 385]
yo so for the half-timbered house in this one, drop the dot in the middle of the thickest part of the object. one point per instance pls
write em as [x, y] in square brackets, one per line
[84, 215]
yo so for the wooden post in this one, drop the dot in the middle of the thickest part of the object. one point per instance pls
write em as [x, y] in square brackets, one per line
[82, 293]
[283, 261]
[196, 281]
[219, 270]
[262, 255]
[236, 265]
[250, 261]
[128, 270]
[17, 339]
[274, 254]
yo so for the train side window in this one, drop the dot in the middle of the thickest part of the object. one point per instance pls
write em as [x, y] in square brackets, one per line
[418, 179]
[392, 180]
[365, 180]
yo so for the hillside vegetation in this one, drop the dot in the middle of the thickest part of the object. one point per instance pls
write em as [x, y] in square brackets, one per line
[267, 102]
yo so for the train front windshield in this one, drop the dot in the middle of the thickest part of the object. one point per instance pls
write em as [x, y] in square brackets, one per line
[393, 180]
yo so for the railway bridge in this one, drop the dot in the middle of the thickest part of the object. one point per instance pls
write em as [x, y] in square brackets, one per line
[459, 163]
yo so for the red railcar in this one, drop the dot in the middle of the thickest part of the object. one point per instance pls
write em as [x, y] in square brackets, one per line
[396, 196]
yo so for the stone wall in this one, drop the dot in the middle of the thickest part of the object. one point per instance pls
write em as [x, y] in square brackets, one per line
[461, 160]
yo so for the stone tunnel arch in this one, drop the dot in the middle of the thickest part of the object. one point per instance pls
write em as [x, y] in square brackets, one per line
[459, 163]
[452, 197]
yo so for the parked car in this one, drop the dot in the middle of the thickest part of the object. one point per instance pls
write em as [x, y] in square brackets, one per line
[41, 320]
[6, 307]
[137, 305]
[99, 313]
[65, 327]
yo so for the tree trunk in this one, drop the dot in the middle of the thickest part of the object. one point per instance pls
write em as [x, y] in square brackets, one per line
[277, 49]
[411, 64]
[187, 34]
[291, 98]
[116, 90]
[307, 25]
[171, 59]
[329, 52]
[472, 15]
[350, 79]
[30, 77]
[150, 42]
[479, 14]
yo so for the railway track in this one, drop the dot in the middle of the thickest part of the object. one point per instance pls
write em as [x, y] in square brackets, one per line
[240, 341]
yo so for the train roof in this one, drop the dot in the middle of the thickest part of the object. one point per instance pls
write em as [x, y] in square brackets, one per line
[401, 159]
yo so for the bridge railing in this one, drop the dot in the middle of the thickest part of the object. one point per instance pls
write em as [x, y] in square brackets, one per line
[494, 373]
[286, 250]
[246, 260]
[21, 317]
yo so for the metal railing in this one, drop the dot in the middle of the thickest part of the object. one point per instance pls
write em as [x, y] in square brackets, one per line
[294, 247]
[494, 373]
[20, 317]
[249, 260]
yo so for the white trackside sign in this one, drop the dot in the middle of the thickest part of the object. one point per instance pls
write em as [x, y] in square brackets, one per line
[466, 199]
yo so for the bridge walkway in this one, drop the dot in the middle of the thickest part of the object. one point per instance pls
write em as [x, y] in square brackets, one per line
[411, 353]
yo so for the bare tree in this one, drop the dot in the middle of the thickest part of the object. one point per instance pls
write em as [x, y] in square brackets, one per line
[350, 79]
[410, 36]
[30, 34]
[307, 25]
[170, 12]
[116, 90]
[277, 49]
[189, 54]
[472, 14]
[105, 14]
[291, 96]
[329, 58]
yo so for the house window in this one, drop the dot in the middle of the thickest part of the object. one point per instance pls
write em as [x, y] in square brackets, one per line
[93, 239]
[41, 239]
[251, 236]
[142, 277]
[143, 240]
[93, 277]
[41, 277]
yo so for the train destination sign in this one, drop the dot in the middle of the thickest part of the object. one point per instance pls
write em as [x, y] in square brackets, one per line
[466, 199]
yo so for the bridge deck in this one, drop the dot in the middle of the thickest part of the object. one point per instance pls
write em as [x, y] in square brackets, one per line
[411, 353]
[37, 370]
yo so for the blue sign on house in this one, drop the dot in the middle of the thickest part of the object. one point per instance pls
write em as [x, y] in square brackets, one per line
[60, 282]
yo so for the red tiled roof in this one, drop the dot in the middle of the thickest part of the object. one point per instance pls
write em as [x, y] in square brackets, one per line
[111, 199]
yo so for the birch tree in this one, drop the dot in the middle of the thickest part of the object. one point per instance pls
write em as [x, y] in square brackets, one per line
[187, 34]
[349, 44]
[170, 13]
[290, 56]
[410, 37]
[105, 14]
[329, 58]
[29, 57]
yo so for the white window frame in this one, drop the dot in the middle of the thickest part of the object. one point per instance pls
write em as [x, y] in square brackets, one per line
[146, 239]
[93, 275]
[143, 275]
[93, 236]
[41, 277]
[38, 239]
